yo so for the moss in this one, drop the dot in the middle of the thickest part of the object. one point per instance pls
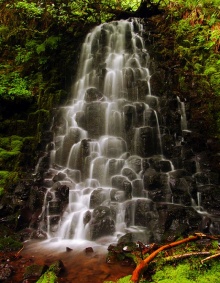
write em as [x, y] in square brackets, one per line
[9, 244]
[9, 151]
[166, 269]
[48, 277]
[56, 267]
[5, 177]
[125, 279]
[182, 273]
[35, 270]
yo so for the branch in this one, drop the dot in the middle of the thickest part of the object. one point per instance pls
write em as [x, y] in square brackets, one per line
[177, 257]
[144, 263]
[210, 257]
[17, 254]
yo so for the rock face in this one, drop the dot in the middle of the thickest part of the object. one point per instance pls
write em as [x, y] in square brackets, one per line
[122, 159]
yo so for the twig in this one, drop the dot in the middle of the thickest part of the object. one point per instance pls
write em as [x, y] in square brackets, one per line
[210, 257]
[17, 254]
[181, 256]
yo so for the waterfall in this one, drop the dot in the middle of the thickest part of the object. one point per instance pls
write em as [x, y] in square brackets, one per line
[116, 156]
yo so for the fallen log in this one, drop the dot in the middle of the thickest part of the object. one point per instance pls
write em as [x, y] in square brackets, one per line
[144, 263]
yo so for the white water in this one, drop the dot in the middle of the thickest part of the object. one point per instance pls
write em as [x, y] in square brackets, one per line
[110, 128]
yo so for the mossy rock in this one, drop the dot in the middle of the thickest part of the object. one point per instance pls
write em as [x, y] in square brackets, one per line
[51, 98]
[56, 267]
[48, 277]
[7, 177]
[34, 271]
[18, 127]
[9, 244]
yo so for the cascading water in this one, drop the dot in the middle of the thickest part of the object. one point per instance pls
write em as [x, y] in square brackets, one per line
[109, 173]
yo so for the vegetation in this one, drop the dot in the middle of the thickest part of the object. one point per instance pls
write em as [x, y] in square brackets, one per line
[187, 272]
[39, 45]
[170, 267]
[194, 45]
[9, 244]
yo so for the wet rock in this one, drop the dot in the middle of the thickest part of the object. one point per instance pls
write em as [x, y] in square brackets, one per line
[210, 198]
[115, 166]
[114, 147]
[92, 94]
[55, 207]
[168, 146]
[57, 267]
[147, 141]
[74, 175]
[25, 218]
[34, 271]
[129, 173]
[93, 115]
[117, 195]
[68, 249]
[101, 224]
[36, 198]
[177, 219]
[165, 165]
[97, 197]
[61, 191]
[129, 112]
[87, 217]
[141, 212]
[59, 177]
[140, 108]
[137, 188]
[151, 179]
[38, 234]
[5, 272]
[89, 250]
[134, 162]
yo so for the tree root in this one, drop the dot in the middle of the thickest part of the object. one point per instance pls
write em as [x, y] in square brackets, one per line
[144, 263]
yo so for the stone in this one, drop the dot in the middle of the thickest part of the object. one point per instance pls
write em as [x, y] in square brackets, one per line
[34, 271]
[92, 94]
[101, 223]
[97, 197]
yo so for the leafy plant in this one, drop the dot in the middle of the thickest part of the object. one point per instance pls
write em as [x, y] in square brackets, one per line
[13, 85]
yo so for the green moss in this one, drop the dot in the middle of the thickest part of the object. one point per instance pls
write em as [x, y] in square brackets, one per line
[185, 272]
[5, 177]
[9, 244]
[11, 144]
[48, 277]
[125, 279]
[34, 270]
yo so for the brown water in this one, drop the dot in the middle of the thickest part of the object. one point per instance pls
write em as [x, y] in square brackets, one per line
[80, 267]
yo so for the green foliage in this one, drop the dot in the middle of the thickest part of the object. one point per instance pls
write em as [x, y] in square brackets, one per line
[12, 143]
[50, 43]
[13, 85]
